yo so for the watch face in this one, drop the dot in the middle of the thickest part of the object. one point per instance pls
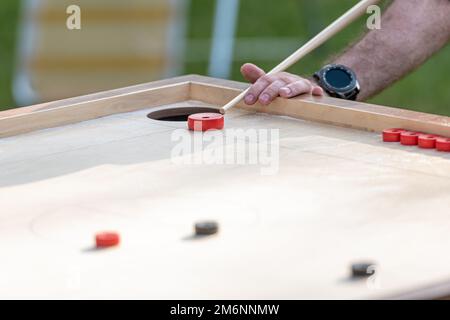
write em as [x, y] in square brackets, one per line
[338, 78]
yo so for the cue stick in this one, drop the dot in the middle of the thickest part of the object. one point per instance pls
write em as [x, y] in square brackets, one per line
[351, 15]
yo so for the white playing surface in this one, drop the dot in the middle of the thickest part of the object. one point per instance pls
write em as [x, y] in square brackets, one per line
[340, 196]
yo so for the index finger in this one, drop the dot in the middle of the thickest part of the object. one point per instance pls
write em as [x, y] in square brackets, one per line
[252, 72]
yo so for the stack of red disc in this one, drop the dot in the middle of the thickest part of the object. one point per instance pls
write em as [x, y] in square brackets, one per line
[413, 138]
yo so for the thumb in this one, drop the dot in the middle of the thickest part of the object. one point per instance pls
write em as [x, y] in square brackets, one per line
[252, 72]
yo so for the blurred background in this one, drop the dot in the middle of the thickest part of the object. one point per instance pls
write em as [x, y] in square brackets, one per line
[122, 43]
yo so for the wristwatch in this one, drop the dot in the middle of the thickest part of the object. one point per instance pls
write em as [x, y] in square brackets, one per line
[338, 81]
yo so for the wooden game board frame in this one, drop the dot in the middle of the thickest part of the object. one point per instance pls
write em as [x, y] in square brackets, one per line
[217, 92]
[214, 91]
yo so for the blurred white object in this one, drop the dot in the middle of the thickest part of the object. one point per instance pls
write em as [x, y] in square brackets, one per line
[120, 43]
[225, 21]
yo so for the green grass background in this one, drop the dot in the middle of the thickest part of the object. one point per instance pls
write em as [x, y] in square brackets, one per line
[9, 13]
[427, 89]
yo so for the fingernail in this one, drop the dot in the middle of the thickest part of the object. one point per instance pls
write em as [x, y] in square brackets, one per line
[265, 98]
[286, 91]
[249, 98]
[318, 91]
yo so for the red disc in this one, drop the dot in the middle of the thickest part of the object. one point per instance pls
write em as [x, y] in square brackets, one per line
[427, 141]
[107, 239]
[443, 144]
[409, 138]
[392, 135]
[205, 121]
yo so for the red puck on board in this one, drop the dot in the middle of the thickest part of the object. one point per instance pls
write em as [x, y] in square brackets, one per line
[107, 239]
[443, 144]
[427, 141]
[205, 121]
[409, 138]
[392, 135]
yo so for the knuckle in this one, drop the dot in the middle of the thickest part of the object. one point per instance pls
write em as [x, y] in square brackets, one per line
[290, 78]
[279, 83]
[258, 87]
[267, 78]
[309, 82]
[253, 91]
[301, 86]
[296, 85]
[259, 84]
[306, 84]
[274, 88]
[254, 87]
[271, 92]
[288, 74]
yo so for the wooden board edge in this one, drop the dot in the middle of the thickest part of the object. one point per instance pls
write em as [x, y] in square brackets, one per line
[99, 95]
[351, 114]
[436, 291]
[72, 110]
[357, 115]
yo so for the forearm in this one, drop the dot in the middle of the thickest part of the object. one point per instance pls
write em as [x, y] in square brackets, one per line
[411, 31]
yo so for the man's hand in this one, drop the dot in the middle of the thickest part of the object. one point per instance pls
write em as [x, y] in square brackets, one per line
[266, 88]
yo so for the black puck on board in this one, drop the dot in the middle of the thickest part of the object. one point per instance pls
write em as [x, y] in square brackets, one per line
[206, 228]
[363, 269]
